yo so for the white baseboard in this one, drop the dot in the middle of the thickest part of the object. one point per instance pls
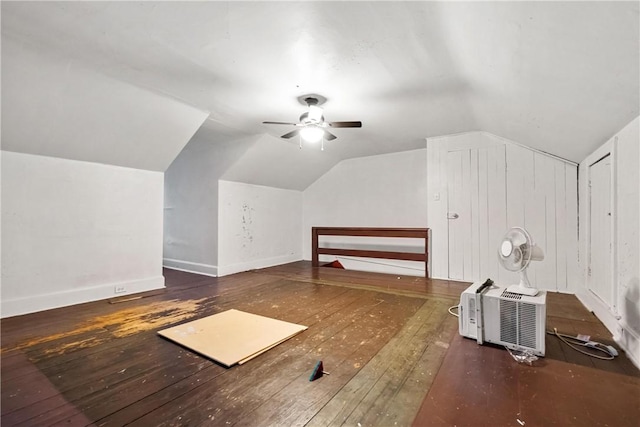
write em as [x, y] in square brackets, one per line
[629, 341]
[394, 267]
[190, 267]
[254, 264]
[594, 305]
[31, 304]
[625, 336]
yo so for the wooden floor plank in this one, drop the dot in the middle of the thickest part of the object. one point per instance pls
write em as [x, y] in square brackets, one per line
[103, 369]
[164, 396]
[380, 379]
[245, 387]
[37, 391]
[103, 363]
[564, 388]
[343, 355]
[400, 404]
[255, 306]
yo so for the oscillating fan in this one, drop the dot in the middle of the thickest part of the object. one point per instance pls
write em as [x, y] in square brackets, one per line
[516, 251]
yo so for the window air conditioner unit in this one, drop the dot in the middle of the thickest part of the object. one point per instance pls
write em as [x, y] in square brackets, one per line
[488, 313]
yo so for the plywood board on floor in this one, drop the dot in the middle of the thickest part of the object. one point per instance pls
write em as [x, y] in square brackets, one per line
[233, 336]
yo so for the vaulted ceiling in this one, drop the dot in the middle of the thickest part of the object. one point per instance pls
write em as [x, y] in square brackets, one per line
[130, 83]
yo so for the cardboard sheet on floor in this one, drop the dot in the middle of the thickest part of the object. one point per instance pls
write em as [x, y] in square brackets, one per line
[232, 336]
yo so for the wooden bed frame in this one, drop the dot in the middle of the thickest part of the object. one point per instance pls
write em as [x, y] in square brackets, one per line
[419, 233]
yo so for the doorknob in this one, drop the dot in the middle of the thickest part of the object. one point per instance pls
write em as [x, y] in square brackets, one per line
[452, 215]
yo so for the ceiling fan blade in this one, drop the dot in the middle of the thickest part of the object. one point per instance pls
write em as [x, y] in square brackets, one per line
[345, 124]
[291, 134]
[280, 123]
[329, 136]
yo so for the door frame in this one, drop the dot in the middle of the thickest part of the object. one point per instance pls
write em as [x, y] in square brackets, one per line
[609, 317]
[614, 289]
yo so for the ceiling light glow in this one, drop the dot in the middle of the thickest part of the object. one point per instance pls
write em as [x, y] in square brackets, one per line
[312, 133]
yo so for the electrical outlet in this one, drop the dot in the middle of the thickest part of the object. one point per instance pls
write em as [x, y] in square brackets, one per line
[120, 289]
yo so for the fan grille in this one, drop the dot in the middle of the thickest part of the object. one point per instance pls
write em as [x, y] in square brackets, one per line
[517, 255]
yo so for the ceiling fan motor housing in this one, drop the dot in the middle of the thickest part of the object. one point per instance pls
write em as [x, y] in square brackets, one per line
[306, 120]
[311, 101]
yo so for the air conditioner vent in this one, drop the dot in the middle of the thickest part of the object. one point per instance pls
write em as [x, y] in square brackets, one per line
[511, 295]
[508, 321]
[518, 323]
[527, 321]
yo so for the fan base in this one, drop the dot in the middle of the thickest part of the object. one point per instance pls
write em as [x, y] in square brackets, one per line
[517, 289]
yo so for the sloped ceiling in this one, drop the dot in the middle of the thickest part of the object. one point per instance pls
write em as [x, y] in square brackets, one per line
[270, 162]
[61, 109]
[561, 77]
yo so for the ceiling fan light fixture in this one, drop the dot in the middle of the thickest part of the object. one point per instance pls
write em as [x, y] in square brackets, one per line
[315, 114]
[312, 134]
[311, 126]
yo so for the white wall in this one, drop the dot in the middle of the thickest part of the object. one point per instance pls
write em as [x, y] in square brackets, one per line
[72, 231]
[623, 319]
[378, 191]
[191, 201]
[505, 185]
[628, 231]
[257, 226]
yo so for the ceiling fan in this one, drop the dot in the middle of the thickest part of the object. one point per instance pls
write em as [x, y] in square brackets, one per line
[312, 126]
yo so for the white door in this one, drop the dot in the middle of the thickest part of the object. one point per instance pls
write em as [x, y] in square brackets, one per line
[599, 262]
[476, 212]
[459, 214]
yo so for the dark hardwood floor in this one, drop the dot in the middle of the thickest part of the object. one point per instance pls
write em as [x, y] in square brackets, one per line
[388, 342]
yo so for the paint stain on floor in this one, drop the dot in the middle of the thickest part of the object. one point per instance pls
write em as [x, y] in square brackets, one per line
[119, 324]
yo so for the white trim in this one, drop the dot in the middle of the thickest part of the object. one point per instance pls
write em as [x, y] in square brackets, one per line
[544, 153]
[384, 266]
[629, 341]
[34, 303]
[622, 334]
[505, 140]
[606, 150]
[599, 309]
[612, 238]
[614, 227]
[585, 295]
[254, 264]
[469, 132]
[190, 267]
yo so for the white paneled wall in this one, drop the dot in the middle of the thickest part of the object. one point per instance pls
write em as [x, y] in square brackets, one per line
[621, 312]
[493, 184]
